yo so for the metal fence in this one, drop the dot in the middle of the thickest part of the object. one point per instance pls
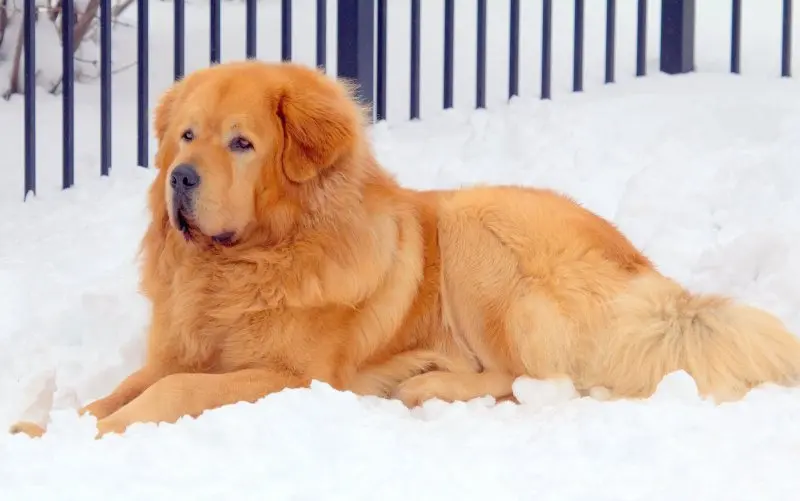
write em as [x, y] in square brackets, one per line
[361, 55]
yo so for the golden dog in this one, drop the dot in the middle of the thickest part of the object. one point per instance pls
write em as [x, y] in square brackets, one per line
[280, 252]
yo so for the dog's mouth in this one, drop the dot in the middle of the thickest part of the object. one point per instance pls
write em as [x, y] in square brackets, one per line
[183, 223]
[190, 232]
[226, 238]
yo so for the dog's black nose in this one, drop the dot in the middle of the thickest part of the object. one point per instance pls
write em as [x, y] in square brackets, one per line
[184, 178]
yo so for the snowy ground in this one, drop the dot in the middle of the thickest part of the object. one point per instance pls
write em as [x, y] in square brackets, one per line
[700, 171]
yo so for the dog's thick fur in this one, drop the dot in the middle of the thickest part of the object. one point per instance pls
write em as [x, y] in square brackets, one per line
[298, 257]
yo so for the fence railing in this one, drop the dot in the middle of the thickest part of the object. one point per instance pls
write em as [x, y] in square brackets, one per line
[361, 55]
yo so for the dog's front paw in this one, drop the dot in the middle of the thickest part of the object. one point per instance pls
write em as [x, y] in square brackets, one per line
[110, 425]
[101, 408]
[415, 391]
[33, 430]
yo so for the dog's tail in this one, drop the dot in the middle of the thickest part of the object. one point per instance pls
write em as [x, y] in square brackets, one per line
[658, 327]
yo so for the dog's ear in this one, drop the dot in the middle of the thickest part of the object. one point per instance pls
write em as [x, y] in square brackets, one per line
[162, 115]
[165, 108]
[321, 124]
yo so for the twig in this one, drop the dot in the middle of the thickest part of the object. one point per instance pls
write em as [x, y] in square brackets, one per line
[54, 10]
[3, 19]
[13, 84]
[120, 8]
[81, 28]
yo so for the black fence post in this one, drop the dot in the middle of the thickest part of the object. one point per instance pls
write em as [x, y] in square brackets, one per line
[250, 31]
[381, 61]
[143, 83]
[547, 47]
[577, 53]
[29, 46]
[215, 38]
[736, 35]
[677, 36]
[286, 30]
[449, 51]
[68, 95]
[356, 46]
[641, 38]
[179, 42]
[480, 66]
[322, 33]
[415, 48]
[611, 34]
[786, 40]
[105, 87]
[513, 49]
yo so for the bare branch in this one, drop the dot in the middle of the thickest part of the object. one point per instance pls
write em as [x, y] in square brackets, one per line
[120, 8]
[83, 24]
[53, 10]
[81, 28]
[13, 84]
[3, 19]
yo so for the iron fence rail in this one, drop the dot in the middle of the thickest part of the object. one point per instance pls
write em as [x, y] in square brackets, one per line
[361, 56]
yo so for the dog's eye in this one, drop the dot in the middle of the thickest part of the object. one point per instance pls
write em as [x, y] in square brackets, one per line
[187, 136]
[240, 144]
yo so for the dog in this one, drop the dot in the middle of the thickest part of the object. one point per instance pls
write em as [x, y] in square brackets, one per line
[281, 252]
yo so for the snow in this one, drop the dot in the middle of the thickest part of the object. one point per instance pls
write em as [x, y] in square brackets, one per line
[700, 171]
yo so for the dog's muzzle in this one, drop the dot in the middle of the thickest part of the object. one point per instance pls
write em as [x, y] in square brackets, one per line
[183, 180]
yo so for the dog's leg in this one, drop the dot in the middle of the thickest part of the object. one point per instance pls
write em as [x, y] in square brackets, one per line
[178, 395]
[130, 388]
[454, 386]
[382, 379]
[33, 430]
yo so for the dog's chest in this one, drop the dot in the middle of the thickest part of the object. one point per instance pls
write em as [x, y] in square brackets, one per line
[262, 338]
[211, 314]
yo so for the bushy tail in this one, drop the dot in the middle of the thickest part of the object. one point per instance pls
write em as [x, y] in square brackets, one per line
[658, 327]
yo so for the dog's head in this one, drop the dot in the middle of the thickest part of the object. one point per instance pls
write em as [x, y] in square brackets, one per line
[245, 149]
